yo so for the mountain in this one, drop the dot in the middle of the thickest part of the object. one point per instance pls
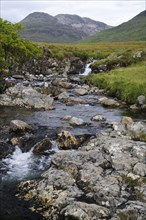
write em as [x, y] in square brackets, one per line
[62, 28]
[133, 30]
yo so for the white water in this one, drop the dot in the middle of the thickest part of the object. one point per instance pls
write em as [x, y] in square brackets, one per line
[21, 165]
[87, 70]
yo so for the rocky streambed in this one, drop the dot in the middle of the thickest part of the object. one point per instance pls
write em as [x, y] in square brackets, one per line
[66, 152]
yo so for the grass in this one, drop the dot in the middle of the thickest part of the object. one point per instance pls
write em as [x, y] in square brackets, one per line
[95, 51]
[125, 83]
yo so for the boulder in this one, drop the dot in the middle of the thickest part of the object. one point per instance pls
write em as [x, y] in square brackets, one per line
[134, 107]
[76, 121]
[18, 77]
[138, 130]
[63, 95]
[67, 117]
[126, 120]
[140, 169]
[81, 91]
[74, 100]
[98, 118]
[141, 100]
[66, 140]
[75, 65]
[109, 102]
[26, 96]
[19, 126]
[83, 211]
[65, 85]
[42, 146]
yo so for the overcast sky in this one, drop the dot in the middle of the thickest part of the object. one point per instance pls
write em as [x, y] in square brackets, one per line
[108, 11]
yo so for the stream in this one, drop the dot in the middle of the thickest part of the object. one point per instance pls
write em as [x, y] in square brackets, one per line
[21, 165]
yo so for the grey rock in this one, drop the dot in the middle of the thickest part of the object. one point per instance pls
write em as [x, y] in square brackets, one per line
[109, 102]
[141, 100]
[42, 146]
[84, 211]
[98, 118]
[19, 126]
[140, 169]
[63, 95]
[81, 91]
[24, 96]
[134, 107]
[66, 140]
[76, 121]
[138, 130]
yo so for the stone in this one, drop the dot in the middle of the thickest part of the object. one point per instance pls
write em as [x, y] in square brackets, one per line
[63, 95]
[18, 77]
[102, 99]
[75, 65]
[141, 100]
[109, 102]
[65, 85]
[138, 130]
[140, 169]
[76, 121]
[66, 140]
[84, 211]
[75, 100]
[42, 146]
[67, 117]
[126, 120]
[98, 118]
[137, 54]
[26, 96]
[19, 126]
[134, 107]
[81, 91]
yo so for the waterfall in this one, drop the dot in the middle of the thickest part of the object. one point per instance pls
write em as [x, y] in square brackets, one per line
[87, 70]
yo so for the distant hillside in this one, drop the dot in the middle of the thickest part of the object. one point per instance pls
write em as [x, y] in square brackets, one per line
[133, 30]
[62, 28]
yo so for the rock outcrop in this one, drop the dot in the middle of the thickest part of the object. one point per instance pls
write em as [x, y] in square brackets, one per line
[25, 96]
[103, 179]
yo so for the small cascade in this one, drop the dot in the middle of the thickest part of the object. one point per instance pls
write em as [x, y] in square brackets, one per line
[21, 165]
[87, 70]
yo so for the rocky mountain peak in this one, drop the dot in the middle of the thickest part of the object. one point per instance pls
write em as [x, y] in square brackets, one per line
[61, 28]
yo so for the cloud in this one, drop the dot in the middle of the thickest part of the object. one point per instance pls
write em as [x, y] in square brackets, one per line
[108, 11]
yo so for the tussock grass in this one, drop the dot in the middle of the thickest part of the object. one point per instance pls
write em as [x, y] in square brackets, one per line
[125, 83]
[95, 51]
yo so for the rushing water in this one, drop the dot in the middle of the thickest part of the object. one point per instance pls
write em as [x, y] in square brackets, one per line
[87, 70]
[21, 165]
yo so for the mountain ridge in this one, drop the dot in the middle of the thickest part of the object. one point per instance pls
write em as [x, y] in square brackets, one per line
[62, 28]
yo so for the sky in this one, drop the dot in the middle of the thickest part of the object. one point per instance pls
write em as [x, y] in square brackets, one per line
[111, 12]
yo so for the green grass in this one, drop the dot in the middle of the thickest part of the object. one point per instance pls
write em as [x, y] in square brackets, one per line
[126, 83]
[95, 51]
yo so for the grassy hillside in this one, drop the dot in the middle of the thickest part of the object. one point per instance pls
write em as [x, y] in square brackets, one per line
[133, 30]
